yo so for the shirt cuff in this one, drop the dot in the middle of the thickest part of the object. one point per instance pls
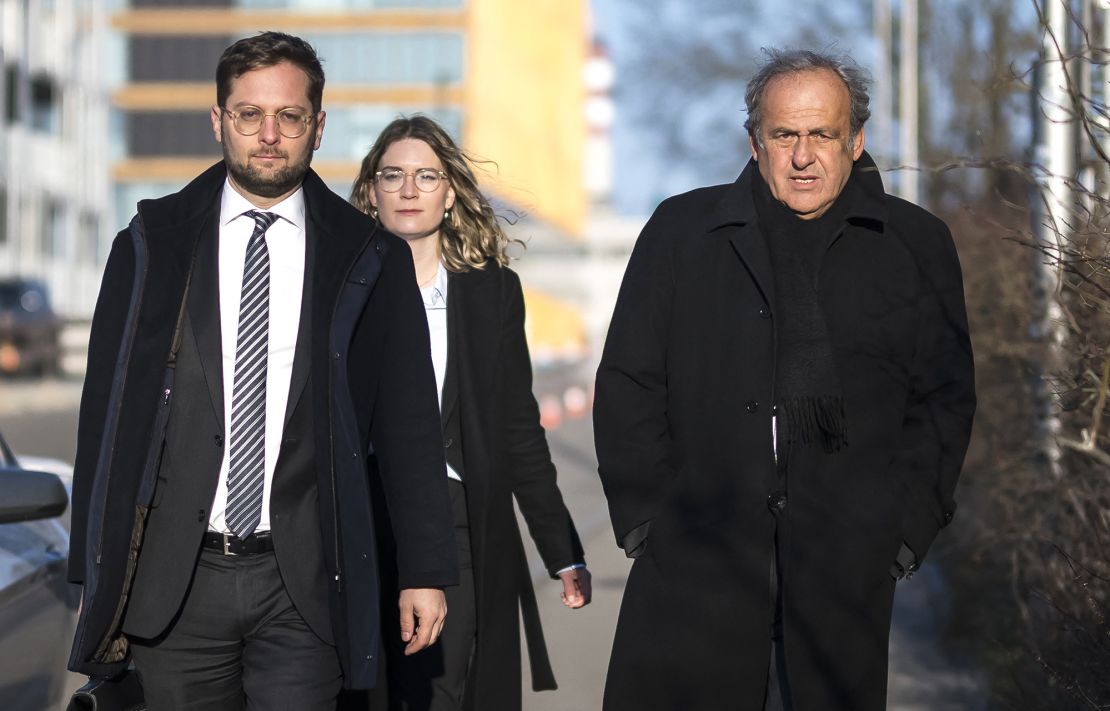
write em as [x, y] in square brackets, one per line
[576, 566]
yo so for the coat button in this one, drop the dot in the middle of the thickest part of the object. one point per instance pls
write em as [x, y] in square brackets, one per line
[362, 280]
[448, 442]
[335, 355]
[752, 406]
[776, 501]
[200, 515]
[765, 312]
[219, 440]
[947, 517]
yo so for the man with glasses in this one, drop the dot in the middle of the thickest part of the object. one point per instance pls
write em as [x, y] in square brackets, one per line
[255, 340]
[781, 414]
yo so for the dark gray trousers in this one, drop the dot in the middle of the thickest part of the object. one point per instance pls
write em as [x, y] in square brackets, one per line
[238, 643]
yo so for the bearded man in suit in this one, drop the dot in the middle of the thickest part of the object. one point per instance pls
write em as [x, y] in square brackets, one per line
[255, 340]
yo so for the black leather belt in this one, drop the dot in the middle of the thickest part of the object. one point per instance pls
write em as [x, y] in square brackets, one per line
[230, 544]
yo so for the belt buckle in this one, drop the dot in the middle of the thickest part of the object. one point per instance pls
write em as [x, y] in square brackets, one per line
[227, 544]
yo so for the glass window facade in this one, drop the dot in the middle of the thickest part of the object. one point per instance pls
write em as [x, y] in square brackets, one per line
[175, 57]
[349, 58]
[128, 195]
[170, 133]
[351, 130]
[390, 57]
[348, 4]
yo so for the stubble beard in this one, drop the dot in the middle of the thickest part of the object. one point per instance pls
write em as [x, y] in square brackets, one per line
[267, 184]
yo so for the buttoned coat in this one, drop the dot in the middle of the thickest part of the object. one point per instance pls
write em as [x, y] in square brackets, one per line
[150, 429]
[683, 425]
[492, 435]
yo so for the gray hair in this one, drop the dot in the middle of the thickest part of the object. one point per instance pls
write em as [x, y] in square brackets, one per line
[782, 62]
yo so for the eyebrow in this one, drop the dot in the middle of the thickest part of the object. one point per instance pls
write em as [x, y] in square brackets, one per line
[298, 107]
[826, 130]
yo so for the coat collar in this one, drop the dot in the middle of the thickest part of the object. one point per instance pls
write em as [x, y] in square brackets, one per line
[868, 208]
[188, 220]
[344, 224]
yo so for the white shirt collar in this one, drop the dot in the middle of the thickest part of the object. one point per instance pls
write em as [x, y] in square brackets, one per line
[435, 294]
[233, 205]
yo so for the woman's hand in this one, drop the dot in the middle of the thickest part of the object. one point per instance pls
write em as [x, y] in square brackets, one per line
[577, 589]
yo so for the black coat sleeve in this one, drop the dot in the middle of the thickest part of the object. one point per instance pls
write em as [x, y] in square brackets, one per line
[937, 425]
[631, 430]
[105, 339]
[528, 457]
[406, 433]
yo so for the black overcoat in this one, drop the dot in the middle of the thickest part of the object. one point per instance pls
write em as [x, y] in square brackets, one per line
[360, 306]
[683, 427]
[490, 414]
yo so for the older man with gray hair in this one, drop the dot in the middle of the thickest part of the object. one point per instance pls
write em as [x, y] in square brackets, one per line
[781, 414]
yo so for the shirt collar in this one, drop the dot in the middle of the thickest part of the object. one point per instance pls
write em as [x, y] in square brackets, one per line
[233, 205]
[435, 294]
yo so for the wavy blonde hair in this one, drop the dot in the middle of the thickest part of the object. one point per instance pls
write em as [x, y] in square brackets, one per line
[472, 235]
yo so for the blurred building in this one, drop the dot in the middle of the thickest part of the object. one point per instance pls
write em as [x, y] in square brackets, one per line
[504, 76]
[54, 181]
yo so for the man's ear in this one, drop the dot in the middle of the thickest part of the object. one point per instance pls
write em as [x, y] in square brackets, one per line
[217, 124]
[319, 129]
[857, 147]
[754, 146]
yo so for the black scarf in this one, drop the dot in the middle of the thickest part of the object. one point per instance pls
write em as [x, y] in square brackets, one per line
[809, 396]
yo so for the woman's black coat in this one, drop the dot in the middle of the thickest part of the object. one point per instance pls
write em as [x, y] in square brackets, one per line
[683, 424]
[488, 409]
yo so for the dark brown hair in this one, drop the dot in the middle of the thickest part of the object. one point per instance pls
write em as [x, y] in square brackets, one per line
[266, 50]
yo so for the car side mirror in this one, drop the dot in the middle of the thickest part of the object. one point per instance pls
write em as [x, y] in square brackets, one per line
[29, 496]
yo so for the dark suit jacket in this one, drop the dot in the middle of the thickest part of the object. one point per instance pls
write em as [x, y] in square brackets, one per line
[683, 425]
[362, 381]
[492, 435]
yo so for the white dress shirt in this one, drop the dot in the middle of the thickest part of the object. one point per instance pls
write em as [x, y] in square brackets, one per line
[435, 308]
[285, 242]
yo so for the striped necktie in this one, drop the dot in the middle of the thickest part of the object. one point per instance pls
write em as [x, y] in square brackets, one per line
[247, 470]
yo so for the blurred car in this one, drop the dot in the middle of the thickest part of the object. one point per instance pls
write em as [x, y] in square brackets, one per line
[37, 605]
[29, 328]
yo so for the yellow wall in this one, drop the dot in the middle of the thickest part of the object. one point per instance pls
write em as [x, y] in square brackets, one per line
[524, 102]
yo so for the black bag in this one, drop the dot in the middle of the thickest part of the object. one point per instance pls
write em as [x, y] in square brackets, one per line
[121, 693]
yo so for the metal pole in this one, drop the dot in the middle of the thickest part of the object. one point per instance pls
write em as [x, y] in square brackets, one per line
[883, 115]
[908, 110]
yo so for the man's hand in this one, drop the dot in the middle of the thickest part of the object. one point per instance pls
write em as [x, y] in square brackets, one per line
[423, 611]
[577, 589]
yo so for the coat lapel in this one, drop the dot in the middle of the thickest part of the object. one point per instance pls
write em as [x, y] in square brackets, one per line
[472, 327]
[204, 312]
[735, 217]
[302, 354]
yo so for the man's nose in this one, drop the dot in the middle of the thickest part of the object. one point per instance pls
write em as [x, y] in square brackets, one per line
[802, 156]
[269, 133]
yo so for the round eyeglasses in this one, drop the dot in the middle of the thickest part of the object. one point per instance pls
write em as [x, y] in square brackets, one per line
[291, 123]
[427, 179]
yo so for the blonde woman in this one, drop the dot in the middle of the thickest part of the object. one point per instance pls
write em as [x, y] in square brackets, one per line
[420, 186]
